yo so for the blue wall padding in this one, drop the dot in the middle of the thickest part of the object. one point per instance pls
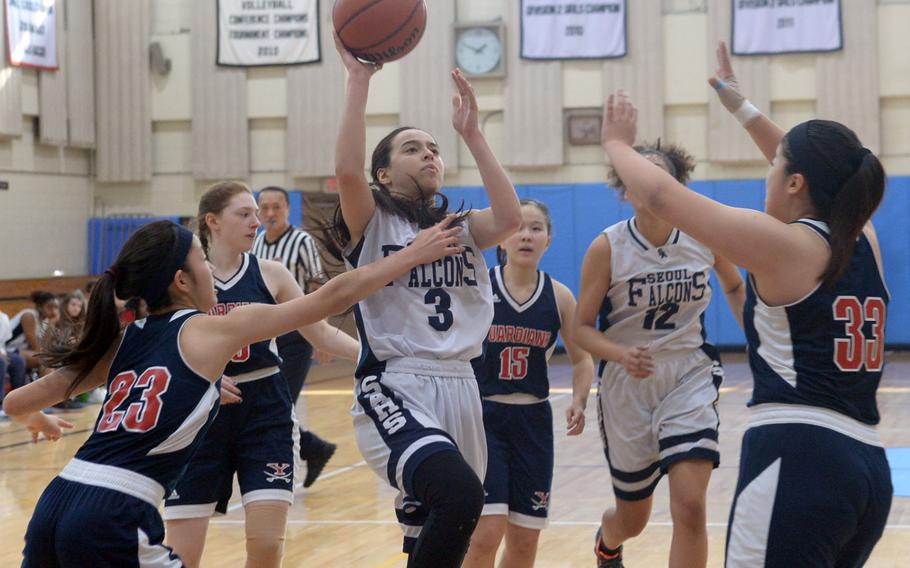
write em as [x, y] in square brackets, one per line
[899, 460]
[581, 211]
[107, 235]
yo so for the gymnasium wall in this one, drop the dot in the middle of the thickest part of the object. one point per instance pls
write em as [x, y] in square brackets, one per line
[791, 82]
[795, 85]
[43, 214]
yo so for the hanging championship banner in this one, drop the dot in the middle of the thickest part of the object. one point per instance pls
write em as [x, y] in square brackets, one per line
[563, 29]
[267, 32]
[31, 33]
[763, 27]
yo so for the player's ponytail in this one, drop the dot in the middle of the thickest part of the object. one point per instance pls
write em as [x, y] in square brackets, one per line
[140, 262]
[846, 184]
[851, 210]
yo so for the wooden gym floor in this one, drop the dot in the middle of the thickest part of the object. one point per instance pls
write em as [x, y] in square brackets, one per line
[346, 518]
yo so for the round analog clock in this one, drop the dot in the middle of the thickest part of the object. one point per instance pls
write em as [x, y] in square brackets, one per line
[478, 50]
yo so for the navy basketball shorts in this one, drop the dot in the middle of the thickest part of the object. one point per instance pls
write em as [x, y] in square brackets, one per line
[412, 410]
[647, 425]
[519, 462]
[77, 525]
[256, 440]
[808, 495]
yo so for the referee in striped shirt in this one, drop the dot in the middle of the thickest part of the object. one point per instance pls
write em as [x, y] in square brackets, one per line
[294, 248]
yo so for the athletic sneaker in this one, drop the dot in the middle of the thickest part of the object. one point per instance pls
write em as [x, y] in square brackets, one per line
[604, 561]
[66, 406]
[315, 461]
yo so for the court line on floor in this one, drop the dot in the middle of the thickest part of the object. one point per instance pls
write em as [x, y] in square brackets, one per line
[14, 431]
[332, 522]
[27, 442]
[554, 390]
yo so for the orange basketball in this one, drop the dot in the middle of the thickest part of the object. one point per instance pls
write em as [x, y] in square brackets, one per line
[380, 30]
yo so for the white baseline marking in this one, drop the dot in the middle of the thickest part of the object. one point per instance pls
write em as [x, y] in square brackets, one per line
[354, 522]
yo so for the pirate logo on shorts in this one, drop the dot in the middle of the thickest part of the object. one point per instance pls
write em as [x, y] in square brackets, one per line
[540, 500]
[280, 471]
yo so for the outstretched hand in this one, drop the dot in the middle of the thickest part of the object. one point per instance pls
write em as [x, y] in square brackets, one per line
[464, 106]
[724, 80]
[51, 427]
[437, 241]
[355, 67]
[620, 120]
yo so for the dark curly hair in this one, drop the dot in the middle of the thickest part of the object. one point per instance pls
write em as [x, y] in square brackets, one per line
[679, 163]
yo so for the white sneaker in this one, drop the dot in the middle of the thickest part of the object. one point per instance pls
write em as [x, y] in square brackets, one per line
[97, 396]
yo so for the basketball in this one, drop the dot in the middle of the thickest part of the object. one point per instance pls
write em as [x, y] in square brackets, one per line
[380, 30]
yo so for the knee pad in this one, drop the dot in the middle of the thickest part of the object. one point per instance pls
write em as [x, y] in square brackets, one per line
[266, 524]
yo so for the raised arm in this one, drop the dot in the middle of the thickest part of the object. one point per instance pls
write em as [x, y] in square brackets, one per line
[582, 365]
[25, 403]
[764, 132]
[209, 342]
[357, 204]
[595, 282]
[492, 225]
[322, 335]
[748, 238]
[733, 285]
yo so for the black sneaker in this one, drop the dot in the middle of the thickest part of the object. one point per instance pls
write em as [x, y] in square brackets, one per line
[316, 461]
[66, 406]
[604, 561]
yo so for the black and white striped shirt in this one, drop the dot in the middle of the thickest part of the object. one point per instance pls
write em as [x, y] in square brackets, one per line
[296, 250]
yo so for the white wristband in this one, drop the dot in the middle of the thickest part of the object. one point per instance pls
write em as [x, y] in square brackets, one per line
[746, 113]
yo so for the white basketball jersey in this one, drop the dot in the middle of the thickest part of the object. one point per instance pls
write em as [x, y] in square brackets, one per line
[657, 294]
[441, 310]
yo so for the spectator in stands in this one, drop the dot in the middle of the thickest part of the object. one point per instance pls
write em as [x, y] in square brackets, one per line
[72, 308]
[12, 365]
[29, 325]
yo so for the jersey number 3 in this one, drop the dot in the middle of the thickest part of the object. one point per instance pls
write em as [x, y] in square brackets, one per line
[855, 351]
[139, 416]
[442, 320]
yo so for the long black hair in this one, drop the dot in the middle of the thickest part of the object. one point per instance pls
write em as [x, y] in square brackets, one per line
[846, 184]
[424, 212]
[139, 261]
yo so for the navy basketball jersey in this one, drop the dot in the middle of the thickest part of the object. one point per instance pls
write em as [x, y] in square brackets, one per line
[520, 341]
[157, 408]
[247, 287]
[826, 350]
